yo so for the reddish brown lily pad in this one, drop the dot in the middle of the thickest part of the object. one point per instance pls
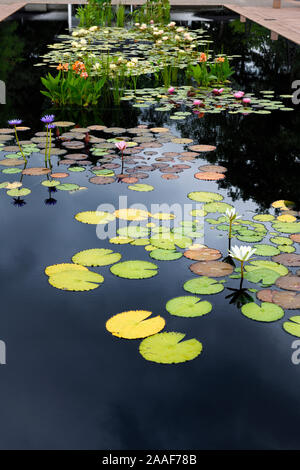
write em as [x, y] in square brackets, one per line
[203, 254]
[160, 165]
[295, 237]
[7, 131]
[80, 129]
[289, 282]
[190, 154]
[287, 259]
[76, 156]
[96, 127]
[132, 151]
[159, 130]
[110, 166]
[286, 300]
[148, 152]
[59, 175]
[151, 145]
[101, 180]
[164, 159]
[145, 167]
[130, 180]
[211, 268]
[209, 176]
[202, 148]
[214, 168]
[67, 162]
[10, 148]
[76, 145]
[182, 166]
[170, 176]
[171, 154]
[170, 169]
[12, 162]
[140, 175]
[36, 171]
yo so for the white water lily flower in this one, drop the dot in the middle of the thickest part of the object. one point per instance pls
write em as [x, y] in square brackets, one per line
[165, 38]
[242, 253]
[179, 30]
[232, 214]
[93, 28]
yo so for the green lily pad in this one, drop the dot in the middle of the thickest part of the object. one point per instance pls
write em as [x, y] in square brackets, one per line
[133, 231]
[68, 187]
[217, 207]
[292, 326]
[141, 187]
[76, 280]
[95, 217]
[266, 272]
[287, 227]
[165, 255]
[266, 250]
[188, 306]
[96, 257]
[11, 171]
[267, 312]
[264, 217]
[167, 348]
[140, 242]
[205, 196]
[134, 269]
[18, 192]
[203, 285]
[50, 184]
[281, 241]
[286, 248]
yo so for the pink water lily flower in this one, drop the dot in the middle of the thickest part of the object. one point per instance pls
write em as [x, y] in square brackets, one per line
[171, 90]
[239, 94]
[197, 102]
[121, 145]
[246, 100]
[217, 91]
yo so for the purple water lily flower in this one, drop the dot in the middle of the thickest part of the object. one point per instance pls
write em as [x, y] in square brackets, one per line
[48, 118]
[51, 126]
[15, 122]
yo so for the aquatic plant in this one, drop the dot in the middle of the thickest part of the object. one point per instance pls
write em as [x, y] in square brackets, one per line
[48, 120]
[242, 254]
[157, 11]
[14, 123]
[231, 215]
[95, 13]
[72, 88]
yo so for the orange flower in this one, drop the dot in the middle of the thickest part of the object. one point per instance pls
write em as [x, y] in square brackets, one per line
[63, 67]
[84, 75]
[220, 59]
[203, 57]
[78, 67]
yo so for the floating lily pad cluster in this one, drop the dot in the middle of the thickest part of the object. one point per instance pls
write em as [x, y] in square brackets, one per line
[181, 103]
[102, 47]
[79, 150]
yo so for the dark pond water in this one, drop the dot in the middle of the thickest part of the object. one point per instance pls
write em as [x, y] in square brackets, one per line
[68, 383]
